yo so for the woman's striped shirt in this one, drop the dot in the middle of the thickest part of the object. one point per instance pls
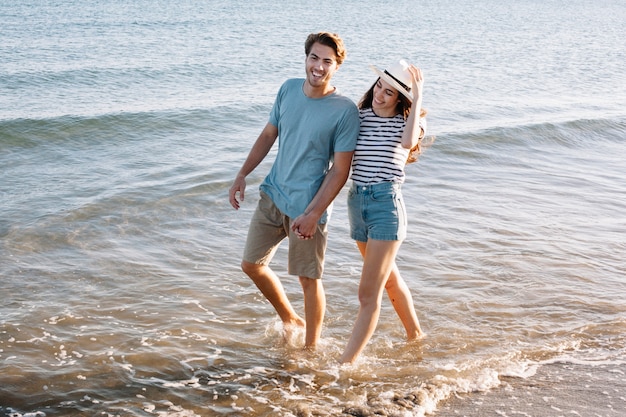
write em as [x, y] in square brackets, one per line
[379, 155]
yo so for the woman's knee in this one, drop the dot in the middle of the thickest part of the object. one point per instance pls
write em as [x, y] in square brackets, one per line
[391, 284]
[370, 299]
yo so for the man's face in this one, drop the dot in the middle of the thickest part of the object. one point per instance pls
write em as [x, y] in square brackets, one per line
[321, 65]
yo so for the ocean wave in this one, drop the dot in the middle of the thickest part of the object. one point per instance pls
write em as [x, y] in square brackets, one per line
[222, 119]
[28, 132]
[568, 133]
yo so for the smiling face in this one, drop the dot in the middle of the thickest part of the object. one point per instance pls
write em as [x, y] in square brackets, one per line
[321, 65]
[385, 99]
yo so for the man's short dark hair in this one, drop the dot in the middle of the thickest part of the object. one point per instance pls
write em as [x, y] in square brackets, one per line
[329, 39]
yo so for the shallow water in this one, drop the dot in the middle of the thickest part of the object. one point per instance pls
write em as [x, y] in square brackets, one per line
[122, 126]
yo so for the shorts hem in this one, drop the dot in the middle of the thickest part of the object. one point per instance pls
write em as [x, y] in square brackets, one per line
[256, 262]
[386, 237]
[295, 274]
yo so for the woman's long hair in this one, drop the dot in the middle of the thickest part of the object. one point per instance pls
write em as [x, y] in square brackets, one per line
[404, 108]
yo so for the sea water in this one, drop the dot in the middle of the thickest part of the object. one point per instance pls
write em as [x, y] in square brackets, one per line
[123, 124]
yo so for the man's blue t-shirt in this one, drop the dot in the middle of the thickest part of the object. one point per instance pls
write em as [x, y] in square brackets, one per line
[310, 131]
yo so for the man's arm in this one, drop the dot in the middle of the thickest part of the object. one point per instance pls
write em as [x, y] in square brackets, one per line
[306, 223]
[259, 151]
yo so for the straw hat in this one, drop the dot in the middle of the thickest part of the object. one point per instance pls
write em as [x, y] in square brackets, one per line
[399, 76]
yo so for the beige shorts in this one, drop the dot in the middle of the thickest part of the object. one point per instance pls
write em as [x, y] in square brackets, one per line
[269, 227]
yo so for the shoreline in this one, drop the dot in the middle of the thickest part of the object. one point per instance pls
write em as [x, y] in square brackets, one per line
[557, 389]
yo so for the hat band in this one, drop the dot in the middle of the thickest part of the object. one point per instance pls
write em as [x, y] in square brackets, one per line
[403, 85]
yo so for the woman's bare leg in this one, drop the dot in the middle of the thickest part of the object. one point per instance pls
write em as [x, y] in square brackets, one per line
[378, 261]
[402, 302]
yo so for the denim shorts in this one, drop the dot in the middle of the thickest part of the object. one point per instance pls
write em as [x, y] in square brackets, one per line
[377, 212]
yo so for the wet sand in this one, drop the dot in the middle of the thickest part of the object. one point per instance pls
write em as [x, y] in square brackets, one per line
[556, 390]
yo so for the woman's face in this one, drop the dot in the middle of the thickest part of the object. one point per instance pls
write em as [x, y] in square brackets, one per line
[385, 99]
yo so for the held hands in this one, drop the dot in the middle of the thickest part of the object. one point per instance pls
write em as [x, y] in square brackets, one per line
[239, 186]
[304, 226]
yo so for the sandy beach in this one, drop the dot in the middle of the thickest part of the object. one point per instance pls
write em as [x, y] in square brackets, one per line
[556, 390]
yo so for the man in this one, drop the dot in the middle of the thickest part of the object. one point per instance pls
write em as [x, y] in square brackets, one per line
[317, 130]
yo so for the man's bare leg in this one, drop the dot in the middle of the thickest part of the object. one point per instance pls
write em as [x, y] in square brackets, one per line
[271, 287]
[314, 310]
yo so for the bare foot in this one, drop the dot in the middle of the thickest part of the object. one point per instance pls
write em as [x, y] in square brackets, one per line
[415, 336]
[293, 331]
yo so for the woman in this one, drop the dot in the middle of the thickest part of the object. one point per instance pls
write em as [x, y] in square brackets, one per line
[392, 126]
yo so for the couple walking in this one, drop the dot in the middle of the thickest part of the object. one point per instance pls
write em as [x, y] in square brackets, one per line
[322, 137]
